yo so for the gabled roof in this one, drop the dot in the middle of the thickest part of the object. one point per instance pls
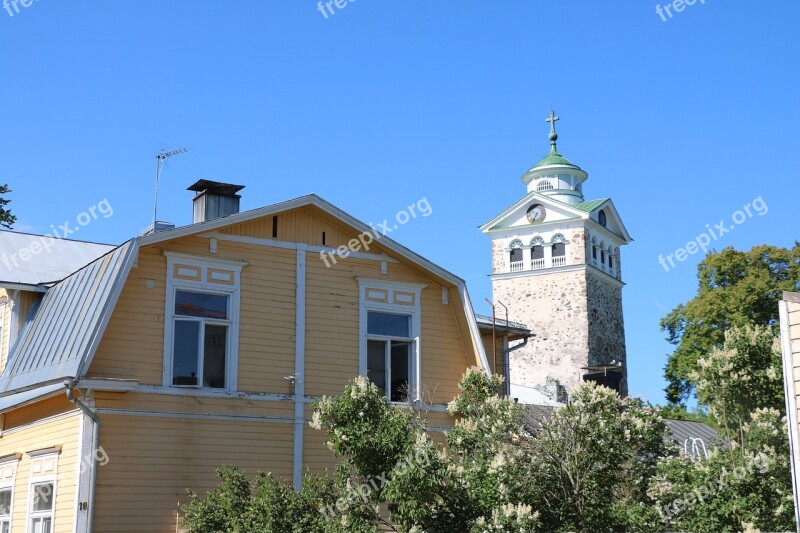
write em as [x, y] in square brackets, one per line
[65, 331]
[31, 260]
[332, 210]
[523, 202]
[582, 210]
[60, 341]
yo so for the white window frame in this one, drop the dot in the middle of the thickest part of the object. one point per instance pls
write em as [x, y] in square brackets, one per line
[38, 480]
[9, 484]
[414, 311]
[233, 291]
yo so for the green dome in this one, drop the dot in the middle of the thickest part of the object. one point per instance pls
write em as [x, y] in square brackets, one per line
[553, 158]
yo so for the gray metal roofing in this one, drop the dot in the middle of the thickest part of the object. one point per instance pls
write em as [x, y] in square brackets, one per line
[48, 260]
[64, 332]
[486, 321]
[680, 430]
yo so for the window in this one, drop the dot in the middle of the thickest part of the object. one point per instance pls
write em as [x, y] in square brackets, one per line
[201, 331]
[594, 253]
[537, 252]
[200, 339]
[544, 186]
[559, 249]
[41, 507]
[611, 261]
[516, 255]
[389, 349]
[389, 324]
[6, 499]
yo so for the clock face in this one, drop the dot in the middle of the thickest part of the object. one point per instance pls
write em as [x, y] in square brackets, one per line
[602, 217]
[536, 213]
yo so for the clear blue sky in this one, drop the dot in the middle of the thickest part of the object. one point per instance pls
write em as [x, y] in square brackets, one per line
[681, 122]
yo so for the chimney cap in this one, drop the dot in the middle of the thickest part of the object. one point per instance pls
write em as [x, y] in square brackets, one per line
[216, 187]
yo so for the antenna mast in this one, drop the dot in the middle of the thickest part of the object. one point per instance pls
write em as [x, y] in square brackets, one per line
[160, 158]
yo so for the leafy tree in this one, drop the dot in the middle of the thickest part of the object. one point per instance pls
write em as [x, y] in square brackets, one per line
[735, 288]
[6, 218]
[748, 485]
[592, 459]
[584, 469]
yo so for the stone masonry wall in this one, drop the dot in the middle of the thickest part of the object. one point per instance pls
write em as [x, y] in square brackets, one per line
[606, 324]
[498, 257]
[554, 306]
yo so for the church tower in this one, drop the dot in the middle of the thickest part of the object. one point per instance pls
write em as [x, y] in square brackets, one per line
[556, 266]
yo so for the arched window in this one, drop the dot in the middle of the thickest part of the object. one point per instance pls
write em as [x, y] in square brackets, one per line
[515, 256]
[559, 244]
[545, 185]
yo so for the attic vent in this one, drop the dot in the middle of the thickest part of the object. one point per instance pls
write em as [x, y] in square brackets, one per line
[214, 200]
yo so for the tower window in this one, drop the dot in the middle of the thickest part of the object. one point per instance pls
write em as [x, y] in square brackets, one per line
[537, 252]
[611, 261]
[516, 255]
[559, 249]
[594, 253]
[603, 257]
[546, 185]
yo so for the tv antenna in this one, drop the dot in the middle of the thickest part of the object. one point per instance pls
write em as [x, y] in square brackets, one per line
[160, 158]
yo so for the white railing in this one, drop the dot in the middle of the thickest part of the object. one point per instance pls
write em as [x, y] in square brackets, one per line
[560, 261]
[517, 266]
[537, 264]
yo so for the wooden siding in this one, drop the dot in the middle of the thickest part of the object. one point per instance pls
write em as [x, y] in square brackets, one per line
[132, 347]
[61, 431]
[304, 224]
[154, 460]
[794, 345]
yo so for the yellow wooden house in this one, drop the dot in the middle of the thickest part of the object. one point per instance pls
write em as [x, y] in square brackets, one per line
[130, 373]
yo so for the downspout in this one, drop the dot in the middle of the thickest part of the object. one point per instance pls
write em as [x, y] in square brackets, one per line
[70, 385]
[507, 361]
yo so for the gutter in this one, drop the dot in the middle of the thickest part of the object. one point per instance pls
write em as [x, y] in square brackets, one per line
[70, 385]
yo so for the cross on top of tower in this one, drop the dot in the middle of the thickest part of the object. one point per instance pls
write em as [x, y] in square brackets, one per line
[552, 119]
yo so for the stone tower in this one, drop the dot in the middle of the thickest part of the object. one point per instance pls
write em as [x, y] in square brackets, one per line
[556, 266]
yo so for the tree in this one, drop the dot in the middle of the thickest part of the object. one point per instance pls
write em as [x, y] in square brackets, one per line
[6, 218]
[748, 485]
[592, 460]
[735, 288]
[585, 469]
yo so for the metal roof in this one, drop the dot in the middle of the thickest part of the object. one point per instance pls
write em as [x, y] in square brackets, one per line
[65, 331]
[485, 322]
[27, 259]
[682, 430]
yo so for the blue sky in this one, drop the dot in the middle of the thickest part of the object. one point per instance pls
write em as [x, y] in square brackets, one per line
[681, 122]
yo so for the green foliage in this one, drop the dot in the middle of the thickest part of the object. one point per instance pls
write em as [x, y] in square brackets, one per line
[265, 504]
[6, 218]
[740, 489]
[745, 375]
[592, 459]
[748, 485]
[735, 288]
[599, 464]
